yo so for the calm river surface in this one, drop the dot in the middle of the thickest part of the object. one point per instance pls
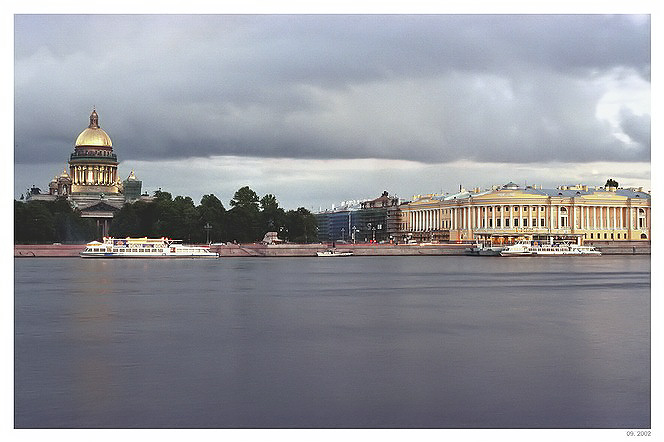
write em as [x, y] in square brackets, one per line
[380, 342]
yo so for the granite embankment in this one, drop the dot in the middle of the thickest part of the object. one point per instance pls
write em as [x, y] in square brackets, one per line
[265, 250]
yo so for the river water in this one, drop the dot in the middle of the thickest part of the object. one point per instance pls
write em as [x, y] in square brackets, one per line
[379, 342]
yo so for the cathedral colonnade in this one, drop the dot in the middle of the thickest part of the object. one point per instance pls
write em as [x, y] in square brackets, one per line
[94, 175]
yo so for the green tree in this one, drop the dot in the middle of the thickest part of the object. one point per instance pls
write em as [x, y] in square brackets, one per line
[127, 222]
[42, 222]
[272, 217]
[302, 226]
[611, 183]
[211, 212]
[243, 218]
[245, 198]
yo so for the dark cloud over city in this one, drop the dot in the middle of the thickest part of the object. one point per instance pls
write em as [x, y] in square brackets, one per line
[527, 97]
[425, 88]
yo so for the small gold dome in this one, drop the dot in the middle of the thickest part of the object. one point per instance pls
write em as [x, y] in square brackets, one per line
[94, 135]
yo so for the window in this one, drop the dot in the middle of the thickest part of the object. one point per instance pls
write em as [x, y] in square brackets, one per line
[534, 224]
[490, 222]
[516, 208]
[542, 222]
[516, 222]
[525, 222]
[507, 222]
[591, 236]
[605, 236]
[498, 222]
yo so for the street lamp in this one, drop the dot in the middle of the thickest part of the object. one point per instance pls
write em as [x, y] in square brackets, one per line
[207, 227]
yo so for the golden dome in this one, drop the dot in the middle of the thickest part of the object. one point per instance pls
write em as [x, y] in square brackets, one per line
[94, 135]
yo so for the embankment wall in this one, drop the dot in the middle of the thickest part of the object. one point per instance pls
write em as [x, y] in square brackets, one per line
[294, 250]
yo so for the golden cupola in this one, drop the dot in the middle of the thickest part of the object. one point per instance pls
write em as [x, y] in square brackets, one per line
[93, 165]
[93, 135]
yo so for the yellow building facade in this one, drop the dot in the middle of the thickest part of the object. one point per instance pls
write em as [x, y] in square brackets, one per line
[504, 214]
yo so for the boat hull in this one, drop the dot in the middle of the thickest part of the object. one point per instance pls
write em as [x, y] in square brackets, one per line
[137, 256]
[333, 254]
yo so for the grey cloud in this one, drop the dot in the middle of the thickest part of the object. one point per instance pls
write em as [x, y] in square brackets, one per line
[427, 88]
[637, 127]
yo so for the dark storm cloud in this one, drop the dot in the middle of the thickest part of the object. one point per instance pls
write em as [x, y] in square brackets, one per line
[426, 88]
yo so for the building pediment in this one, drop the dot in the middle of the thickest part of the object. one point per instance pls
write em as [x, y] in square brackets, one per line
[99, 208]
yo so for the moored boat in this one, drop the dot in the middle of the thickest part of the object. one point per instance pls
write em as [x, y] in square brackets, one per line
[144, 248]
[334, 252]
[525, 248]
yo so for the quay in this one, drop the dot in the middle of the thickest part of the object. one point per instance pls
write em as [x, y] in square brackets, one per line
[308, 250]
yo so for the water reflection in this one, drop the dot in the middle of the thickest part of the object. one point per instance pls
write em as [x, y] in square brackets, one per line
[372, 342]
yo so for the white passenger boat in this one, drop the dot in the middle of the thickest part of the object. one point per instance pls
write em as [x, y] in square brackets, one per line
[334, 252]
[144, 248]
[522, 248]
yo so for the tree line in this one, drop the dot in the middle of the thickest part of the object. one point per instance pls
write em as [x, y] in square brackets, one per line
[247, 220]
[44, 222]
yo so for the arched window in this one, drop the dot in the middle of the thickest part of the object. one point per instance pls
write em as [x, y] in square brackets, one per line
[564, 219]
[642, 219]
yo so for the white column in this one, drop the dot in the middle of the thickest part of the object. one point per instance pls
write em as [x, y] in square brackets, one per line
[551, 217]
[622, 223]
[493, 217]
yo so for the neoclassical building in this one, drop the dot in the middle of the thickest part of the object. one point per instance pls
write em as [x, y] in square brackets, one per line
[504, 214]
[92, 184]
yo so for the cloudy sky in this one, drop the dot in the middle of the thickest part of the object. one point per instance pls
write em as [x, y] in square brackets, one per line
[317, 109]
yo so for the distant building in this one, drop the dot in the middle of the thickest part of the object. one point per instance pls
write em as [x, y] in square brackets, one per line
[502, 214]
[360, 220]
[92, 184]
[340, 223]
[132, 188]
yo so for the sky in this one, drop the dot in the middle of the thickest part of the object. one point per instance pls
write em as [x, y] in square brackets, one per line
[318, 109]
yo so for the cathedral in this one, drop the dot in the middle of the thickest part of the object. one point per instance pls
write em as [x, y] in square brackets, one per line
[92, 184]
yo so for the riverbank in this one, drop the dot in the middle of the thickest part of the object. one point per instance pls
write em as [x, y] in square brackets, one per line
[303, 250]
